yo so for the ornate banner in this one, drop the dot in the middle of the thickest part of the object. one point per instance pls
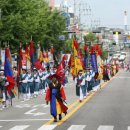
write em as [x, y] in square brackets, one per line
[94, 62]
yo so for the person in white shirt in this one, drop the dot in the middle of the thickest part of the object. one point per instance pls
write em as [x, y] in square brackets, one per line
[30, 84]
[24, 84]
[80, 84]
[36, 83]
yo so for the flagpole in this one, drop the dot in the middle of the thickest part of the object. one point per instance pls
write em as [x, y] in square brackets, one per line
[11, 65]
[18, 69]
[26, 58]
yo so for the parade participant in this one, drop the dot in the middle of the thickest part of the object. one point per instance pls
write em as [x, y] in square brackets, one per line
[36, 82]
[56, 95]
[127, 67]
[91, 82]
[40, 73]
[96, 82]
[80, 85]
[30, 84]
[15, 72]
[3, 84]
[24, 83]
[114, 69]
[47, 74]
[100, 77]
[87, 79]
[45, 81]
[105, 74]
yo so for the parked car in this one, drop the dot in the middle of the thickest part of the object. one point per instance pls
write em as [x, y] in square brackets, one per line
[122, 58]
[115, 56]
[123, 53]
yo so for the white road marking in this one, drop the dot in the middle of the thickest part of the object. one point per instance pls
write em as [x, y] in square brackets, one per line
[1, 126]
[23, 106]
[128, 127]
[20, 127]
[122, 77]
[47, 127]
[22, 120]
[106, 128]
[31, 112]
[41, 105]
[76, 127]
[33, 106]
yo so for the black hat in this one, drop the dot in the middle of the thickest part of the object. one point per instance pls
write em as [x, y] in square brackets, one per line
[54, 76]
[80, 71]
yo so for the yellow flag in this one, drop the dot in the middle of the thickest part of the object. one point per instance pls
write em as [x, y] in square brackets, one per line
[41, 56]
[76, 64]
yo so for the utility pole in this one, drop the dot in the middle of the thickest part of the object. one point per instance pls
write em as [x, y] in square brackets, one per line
[74, 9]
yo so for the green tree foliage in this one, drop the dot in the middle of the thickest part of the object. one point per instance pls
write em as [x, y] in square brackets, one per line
[104, 55]
[68, 46]
[89, 38]
[22, 19]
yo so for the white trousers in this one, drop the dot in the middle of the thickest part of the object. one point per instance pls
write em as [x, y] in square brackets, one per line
[81, 94]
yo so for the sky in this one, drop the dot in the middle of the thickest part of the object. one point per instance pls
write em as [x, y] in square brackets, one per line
[110, 12]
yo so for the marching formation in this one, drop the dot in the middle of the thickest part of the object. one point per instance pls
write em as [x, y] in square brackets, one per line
[41, 77]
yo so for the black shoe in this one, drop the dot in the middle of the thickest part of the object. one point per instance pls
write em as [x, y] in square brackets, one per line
[55, 120]
[60, 117]
[65, 113]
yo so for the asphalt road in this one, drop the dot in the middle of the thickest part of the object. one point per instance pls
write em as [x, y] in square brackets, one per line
[107, 109]
[32, 114]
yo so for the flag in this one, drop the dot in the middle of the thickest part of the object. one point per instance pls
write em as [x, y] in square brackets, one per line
[76, 63]
[85, 60]
[64, 59]
[94, 62]
[60, 72]
[38, 65]
[27, 52]
[32, 54]
[19, 60]
[85, 47]
[70, 61]
[34, 62]
[75, 44]
[81, 57]
[45, 57]
[52, 50]
[92, 50]
[8, 72]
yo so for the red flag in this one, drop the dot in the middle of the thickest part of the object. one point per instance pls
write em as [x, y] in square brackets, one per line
[38, 65]
[8, 72]
[60, 72]
[81, 57]
[27, 51]
[70, 60]
[92, 49]
[99, 52]
[20, 58]
[31, 48]
[76, 44]
[97, 47]
[85, 47]
[63, 60]
[52, 50]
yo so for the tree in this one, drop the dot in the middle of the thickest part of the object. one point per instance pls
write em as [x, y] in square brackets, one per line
[89, 38]
[22, 19]
[104, 55]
